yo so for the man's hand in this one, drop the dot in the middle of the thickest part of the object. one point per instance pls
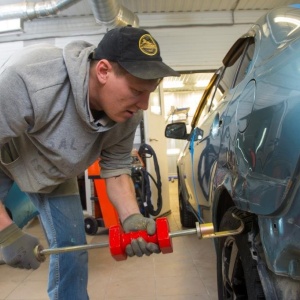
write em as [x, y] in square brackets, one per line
[17, 248]
[139, 246]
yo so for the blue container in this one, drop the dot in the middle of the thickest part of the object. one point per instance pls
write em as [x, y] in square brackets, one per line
[19, 206]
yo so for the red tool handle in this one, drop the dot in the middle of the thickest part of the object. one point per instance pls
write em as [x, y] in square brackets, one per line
[128, 237]
[118, 240]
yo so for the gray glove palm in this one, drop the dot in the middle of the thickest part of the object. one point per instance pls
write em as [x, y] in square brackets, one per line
[139, 246]
[17, 248]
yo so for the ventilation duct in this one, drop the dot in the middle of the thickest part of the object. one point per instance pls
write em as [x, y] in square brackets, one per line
[106, 12]
[111, 14]
[33, 10]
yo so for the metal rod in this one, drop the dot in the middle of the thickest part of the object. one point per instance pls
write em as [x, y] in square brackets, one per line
[205, 230]
[174, 234]
[73, 248]
[222, 234]
[212, 235]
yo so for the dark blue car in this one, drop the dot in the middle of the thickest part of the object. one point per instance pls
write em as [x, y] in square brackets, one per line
[242, 158]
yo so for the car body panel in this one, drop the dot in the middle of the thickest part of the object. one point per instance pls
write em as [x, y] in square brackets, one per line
[250, 144]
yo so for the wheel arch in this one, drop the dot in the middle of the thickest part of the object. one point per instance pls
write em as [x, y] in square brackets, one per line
[222, 202]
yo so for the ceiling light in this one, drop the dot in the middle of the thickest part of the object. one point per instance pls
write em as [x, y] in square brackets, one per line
[202, 83]
[10, 26]
[168, 84]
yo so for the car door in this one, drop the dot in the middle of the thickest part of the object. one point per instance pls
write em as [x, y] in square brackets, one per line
[205, 152]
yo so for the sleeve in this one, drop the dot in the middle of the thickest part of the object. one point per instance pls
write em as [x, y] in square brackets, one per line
[116, 159]
[16, 113]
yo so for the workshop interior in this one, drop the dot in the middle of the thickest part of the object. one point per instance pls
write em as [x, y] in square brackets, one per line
[215, 159]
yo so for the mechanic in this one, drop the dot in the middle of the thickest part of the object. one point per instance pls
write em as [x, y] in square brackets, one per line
[60, 110]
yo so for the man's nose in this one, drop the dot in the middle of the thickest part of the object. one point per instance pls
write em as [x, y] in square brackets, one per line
[143, 101]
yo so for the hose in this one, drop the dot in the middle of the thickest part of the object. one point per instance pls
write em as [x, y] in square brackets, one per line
[146, 151]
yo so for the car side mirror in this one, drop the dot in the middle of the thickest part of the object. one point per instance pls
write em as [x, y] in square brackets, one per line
[176, 131]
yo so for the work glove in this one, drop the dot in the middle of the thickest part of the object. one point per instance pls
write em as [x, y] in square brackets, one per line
[139, 246]
[17, 248]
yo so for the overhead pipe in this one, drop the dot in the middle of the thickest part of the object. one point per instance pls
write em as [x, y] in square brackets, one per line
[32, 10]
[111, 14]
[106, 12]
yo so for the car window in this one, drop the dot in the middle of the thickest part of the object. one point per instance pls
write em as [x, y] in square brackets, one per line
[238, 64]
[236, 69]
[245, 65]
[211, 102]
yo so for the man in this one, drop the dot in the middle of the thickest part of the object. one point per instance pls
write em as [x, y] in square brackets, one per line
[60, 110]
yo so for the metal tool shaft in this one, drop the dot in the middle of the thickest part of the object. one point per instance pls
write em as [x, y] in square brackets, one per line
[206, 231]
[175, 234]
[73, 248]
[101, 245]
[202, 231]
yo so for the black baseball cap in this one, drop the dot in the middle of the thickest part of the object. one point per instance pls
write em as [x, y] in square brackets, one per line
[135, 50]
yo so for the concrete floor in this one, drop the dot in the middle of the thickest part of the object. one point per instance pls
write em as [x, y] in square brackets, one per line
[186, 274]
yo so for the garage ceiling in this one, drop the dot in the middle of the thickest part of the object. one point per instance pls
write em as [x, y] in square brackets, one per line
[55, 18]
[77, 18]
[168, 6]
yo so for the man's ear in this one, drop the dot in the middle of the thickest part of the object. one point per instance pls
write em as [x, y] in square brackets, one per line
[103, 70]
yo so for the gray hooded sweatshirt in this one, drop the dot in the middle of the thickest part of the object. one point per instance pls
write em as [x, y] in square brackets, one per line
[46, 134]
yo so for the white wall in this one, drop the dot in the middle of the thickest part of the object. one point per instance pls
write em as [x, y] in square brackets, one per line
[197, 48]
[188, 41]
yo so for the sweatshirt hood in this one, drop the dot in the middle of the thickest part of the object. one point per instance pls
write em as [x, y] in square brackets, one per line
[76, 56]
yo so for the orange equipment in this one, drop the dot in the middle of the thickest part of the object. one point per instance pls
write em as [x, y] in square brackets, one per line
[105, 215]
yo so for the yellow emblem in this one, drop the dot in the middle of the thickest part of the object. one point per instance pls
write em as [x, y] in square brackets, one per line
[147, 45]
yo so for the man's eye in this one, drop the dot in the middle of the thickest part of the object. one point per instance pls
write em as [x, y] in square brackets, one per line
[136, 92]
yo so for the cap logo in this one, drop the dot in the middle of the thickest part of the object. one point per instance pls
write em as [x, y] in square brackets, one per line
[147, 45]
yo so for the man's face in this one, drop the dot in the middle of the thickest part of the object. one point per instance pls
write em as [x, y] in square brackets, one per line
[124, 95]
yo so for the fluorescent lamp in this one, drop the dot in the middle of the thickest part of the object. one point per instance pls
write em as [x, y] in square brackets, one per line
[174, 151]
[171, 84]
[202, 83]
[9, 26]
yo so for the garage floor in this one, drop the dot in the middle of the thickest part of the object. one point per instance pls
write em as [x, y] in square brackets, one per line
[186, 274]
